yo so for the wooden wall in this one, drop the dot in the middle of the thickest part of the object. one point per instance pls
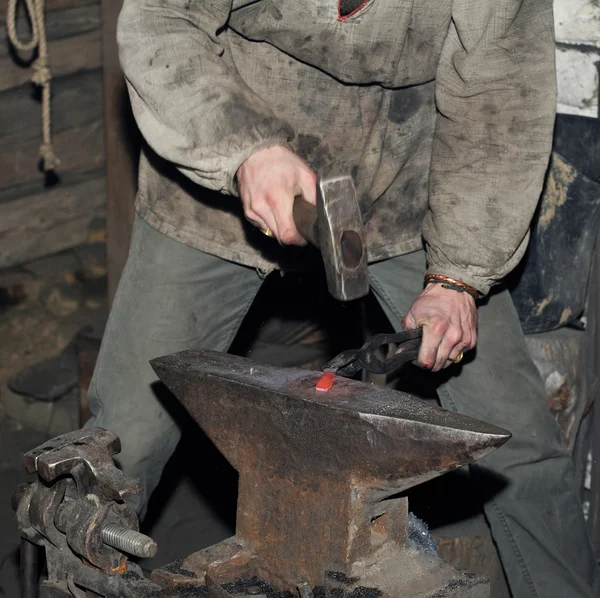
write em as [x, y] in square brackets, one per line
[40, 215]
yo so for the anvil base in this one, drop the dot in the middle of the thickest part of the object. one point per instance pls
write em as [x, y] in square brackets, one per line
[392, 572]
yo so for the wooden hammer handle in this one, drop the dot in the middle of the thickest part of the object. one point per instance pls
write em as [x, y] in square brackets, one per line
[305, 218]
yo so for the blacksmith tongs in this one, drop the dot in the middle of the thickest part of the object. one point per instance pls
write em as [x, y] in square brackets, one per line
[349, 362]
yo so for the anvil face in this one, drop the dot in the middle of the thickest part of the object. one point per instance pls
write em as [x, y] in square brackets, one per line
[317, 470]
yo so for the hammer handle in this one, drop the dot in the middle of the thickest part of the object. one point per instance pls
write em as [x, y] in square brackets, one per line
[305, 218]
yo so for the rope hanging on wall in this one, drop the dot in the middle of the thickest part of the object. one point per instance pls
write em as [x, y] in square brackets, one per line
[41, 70]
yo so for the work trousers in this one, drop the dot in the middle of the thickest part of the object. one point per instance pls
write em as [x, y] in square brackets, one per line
[173, 297]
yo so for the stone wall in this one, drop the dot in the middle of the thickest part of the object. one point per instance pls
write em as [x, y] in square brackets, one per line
[578, 55]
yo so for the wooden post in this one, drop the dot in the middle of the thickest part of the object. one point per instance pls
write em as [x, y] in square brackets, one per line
[122, 149]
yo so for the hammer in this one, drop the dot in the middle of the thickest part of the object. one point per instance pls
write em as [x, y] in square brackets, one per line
[335, 226]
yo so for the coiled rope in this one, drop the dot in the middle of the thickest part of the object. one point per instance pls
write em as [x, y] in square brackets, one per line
[41, 70]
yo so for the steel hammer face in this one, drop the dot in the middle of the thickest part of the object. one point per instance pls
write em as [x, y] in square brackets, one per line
[341, 238]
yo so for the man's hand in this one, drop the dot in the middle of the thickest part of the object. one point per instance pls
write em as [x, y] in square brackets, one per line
[268, 182]
[449, 321]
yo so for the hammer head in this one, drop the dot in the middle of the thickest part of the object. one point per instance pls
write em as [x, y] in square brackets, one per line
[342, 238]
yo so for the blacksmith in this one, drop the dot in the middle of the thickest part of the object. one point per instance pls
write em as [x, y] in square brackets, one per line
[442, 111]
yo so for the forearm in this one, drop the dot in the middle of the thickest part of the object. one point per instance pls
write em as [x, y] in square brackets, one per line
[495, 93]
[191, 108]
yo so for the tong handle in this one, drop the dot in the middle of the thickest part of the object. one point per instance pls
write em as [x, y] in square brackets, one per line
[409, 342]
[398, 338]
[351, 361]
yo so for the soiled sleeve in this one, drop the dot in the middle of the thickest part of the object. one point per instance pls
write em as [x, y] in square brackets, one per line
[496, 98]
[192, 108]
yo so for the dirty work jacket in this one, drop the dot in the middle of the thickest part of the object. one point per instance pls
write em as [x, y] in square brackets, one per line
[441, 109]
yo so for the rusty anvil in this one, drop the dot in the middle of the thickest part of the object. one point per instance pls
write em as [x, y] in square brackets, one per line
[321, 477]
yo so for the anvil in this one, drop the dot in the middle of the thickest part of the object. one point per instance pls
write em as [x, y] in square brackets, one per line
[321, 475]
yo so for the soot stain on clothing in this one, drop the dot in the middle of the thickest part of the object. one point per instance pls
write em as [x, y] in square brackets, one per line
[411, 188]
[185, 74]
[311, 149]
[235, 112]
[274, 12]
[405, 104]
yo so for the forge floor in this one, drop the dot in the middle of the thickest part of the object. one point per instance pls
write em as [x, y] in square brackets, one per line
[194, 505]
[42, 306]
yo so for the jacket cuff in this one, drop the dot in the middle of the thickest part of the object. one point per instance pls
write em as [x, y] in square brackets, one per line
[234, 164]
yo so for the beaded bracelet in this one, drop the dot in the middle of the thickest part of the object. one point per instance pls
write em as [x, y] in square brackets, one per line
[455, 285]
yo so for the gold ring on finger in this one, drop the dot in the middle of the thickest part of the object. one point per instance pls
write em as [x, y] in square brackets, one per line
[458, 358]
[267, 232]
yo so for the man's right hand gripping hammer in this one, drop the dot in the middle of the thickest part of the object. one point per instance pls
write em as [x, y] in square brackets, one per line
[282, 196]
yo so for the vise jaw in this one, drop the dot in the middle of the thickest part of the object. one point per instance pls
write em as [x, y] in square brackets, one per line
[321, 477]
[75, 510]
